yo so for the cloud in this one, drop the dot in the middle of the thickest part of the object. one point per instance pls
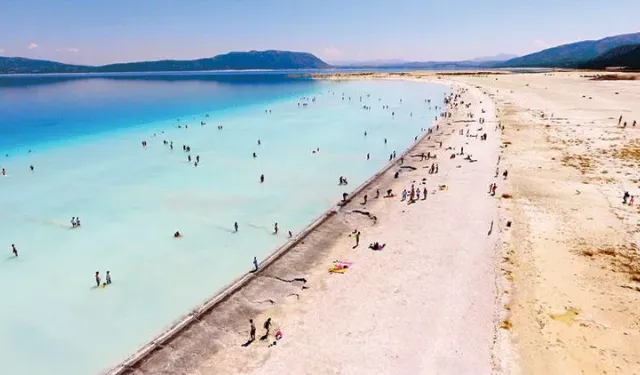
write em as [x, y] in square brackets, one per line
[331, 52]
[32, 46]
[70, 49]
[541, 44]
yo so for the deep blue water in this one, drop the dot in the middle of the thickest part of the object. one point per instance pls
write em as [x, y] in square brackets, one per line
[37, 110]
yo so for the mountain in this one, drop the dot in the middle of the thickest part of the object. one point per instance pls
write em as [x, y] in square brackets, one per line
[22, 65]
[229, 61]
[573, 54]
[627, 57]
[498, 57]
[369, 63]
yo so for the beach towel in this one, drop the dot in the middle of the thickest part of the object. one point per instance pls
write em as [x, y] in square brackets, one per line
[338, 269]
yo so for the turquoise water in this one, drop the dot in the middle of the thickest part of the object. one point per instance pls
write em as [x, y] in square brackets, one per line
[85, 140]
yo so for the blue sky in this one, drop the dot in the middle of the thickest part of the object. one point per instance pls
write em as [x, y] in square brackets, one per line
[105, 31]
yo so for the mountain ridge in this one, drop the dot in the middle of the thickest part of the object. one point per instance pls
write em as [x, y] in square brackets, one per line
[268, 60]
[571, 55]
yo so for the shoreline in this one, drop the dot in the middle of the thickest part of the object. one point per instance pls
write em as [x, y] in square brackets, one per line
[243, 284]
[240, 282]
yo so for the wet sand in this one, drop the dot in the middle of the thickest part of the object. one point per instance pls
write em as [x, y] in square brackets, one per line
[426, 303]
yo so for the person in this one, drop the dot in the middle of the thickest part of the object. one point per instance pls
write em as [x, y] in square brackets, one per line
[73, 222]
[275, 228]
[365, 199]
[177, 234]
[356, 235]
[31, 167]
[97, 279]
[424, 195]
[261, 178]
[14, 250]
[108, 277]
[255, 263]
[197, 158]
[377, 193]
[4, 172]
[344, 197]
[259, 142]
[625, 197]
[377, 246]
[77, 221]
[267, 326]
[367, 156]
[252, 330]
[235, 226]
[404, 194]
[505, 174]
[254, 155]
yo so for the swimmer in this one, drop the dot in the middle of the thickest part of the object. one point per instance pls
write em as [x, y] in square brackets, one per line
[189, 158]
[259, 142]
[197, 158]
[177, 234]
[31, 167]
[14, 250]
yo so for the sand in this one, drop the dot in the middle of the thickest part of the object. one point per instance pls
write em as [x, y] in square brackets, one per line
[426, 303]
[571, 255]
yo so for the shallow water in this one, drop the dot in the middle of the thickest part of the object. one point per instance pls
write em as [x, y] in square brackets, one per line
[85, 135]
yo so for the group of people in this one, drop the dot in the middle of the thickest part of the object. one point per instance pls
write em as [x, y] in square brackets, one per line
[99, 282]
[75, 222]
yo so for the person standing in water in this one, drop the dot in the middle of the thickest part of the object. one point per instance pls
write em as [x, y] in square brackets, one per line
[275, 228]
[97, 279]
[261, 178]
[235, 226]
[108, 277]
[14, 250]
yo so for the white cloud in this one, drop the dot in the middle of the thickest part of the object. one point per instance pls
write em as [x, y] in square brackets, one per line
[541, 44]
[70, 49]
[331, 52]
[32, 46]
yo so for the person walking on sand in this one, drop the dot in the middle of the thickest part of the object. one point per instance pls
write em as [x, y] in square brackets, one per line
[14, 250]
[424, 195]
[252, 330]
[505, 173]
[267, 327]
[97, 279]
[356, 235]
[108, 277]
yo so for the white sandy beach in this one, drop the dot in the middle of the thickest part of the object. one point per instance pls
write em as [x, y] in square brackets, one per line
[425, 304]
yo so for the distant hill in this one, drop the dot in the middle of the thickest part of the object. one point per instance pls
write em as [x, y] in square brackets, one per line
[571, 55]
[627, 57]
[22, 65]
[230, 61]
[498, 57]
